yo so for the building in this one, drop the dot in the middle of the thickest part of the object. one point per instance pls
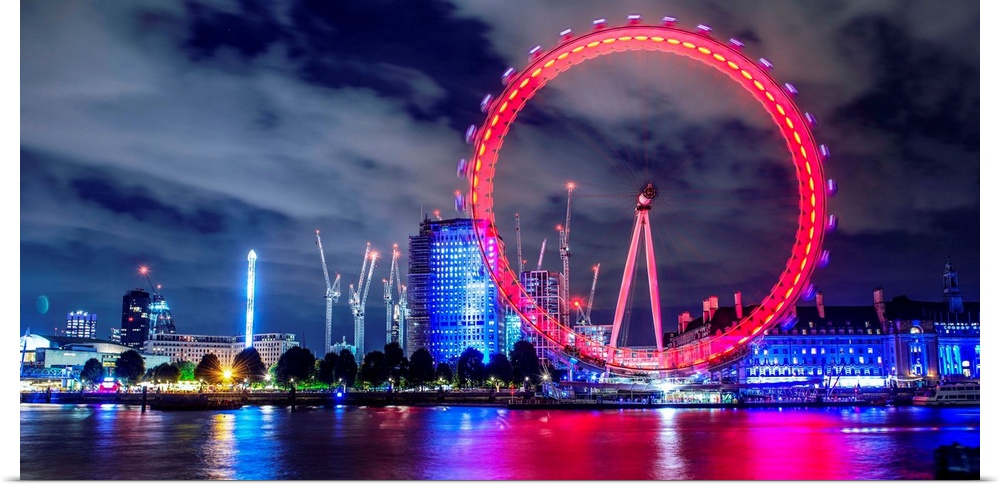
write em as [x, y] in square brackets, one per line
[900, 343]
[80, 324]
[191, 348]
[343, 345]
[135, 318]
[453, 302]
[543, 287]
[56, 361]
[160, 319]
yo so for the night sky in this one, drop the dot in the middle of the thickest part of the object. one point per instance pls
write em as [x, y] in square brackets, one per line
[180, 135]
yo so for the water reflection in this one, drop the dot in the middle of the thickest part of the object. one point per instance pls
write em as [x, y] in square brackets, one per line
[458, 443]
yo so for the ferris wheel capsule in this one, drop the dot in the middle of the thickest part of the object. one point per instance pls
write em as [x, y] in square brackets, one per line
[810, 292]
[669, 21]
[459, 202]
[470, 134]
[534, 52]
[811, 119]
[824, 151]
[565, 35]
[704, 29]
[764, 62]
[824, 259]
[831, 223]
[599, 23]
[463, 167]
[485, 104]
[507, 75]
[634, 19]
[791, 89]
[738, 44]
[831, 187]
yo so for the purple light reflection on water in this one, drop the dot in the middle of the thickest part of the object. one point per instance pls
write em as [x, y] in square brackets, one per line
[470, 443]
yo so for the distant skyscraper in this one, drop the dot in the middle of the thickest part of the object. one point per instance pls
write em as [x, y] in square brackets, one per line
[453, 302]
[251, 269]
[543, 289]
[81, 324]
[160, 320]
[135, 318]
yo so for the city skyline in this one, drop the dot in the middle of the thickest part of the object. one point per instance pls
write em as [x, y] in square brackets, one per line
[179, 137]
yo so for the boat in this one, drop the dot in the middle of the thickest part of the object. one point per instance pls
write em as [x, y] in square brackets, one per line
[956, 394]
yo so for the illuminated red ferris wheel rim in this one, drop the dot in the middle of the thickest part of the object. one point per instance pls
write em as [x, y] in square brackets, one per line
[794, 126]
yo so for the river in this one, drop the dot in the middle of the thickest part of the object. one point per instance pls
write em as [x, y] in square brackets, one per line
[120, 442]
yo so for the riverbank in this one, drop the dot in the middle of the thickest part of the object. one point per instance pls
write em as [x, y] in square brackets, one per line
[520, 401]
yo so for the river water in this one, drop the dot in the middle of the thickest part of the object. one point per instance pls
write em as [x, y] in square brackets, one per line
[119, 442]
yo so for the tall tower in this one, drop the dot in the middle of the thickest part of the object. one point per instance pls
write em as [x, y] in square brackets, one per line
[454, 303]
[252, 264]
[135, 319]
[952, 295]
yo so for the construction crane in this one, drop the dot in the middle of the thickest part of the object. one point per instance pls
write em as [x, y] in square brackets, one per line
[359, 298]
[402, 310]
[332, 296]
[520, 260]
[564, 253]
[541, 254]
[593, 287]
[583, 315]
[387, 294]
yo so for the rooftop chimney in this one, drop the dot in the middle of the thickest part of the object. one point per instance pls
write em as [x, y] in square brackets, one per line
[683, 320]
[880, 304]
[819, 305]
[706, 315]
[739, 304]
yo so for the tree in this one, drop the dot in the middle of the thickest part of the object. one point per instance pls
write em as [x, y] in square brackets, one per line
[168, 373]
[209, 369]
[296, 363]
[93, 372]
[326, 367]
[443, 372]
[421, 367]
[346, 370]
[187, 370]
[470, 367]
[524, 361]
[247, 365]
[373, 370]
[396, 362]
[500, 369]
[129, 367]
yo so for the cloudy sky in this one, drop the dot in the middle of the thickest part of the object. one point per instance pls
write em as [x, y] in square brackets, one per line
[180, 135]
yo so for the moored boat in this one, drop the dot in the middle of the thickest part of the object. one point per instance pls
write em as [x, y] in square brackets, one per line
[956, 394]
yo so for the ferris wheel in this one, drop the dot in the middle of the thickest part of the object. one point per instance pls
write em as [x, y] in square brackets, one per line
[754, 76]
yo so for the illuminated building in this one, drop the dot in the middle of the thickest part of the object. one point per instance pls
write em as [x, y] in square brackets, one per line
[542, 287]
[135, 318]
[901, 342]
[192, 348]
[80, 324]
[160, 319]
[453, 302]
[56, 361]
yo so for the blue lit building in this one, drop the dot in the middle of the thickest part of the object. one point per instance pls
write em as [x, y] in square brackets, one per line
[453, 302]
[901, 342]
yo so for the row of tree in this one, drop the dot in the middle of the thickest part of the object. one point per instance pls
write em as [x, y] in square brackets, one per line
[299, 366]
